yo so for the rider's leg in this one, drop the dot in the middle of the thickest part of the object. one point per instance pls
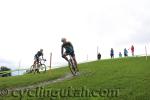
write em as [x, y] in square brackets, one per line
[74, 58]
[35, 60]
[65, 57]
[34, 65]
[37, 65]
[72, 54]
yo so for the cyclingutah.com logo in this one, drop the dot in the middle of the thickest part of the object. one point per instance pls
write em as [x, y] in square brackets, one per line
[3, 92]
[66, 92]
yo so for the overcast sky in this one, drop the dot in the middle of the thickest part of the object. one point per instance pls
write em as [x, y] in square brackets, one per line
[28, 25]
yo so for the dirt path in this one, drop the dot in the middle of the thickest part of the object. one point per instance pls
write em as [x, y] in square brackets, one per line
[66, 77]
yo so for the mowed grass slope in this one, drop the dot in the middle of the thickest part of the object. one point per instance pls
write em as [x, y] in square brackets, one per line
[129, 75]
[30, 79]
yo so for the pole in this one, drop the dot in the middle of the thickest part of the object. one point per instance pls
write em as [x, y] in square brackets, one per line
[97, 50]
[50, 60]
[87, 57]
[19, 66]
[146, 52]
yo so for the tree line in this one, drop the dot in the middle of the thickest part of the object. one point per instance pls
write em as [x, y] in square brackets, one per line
[5, 71]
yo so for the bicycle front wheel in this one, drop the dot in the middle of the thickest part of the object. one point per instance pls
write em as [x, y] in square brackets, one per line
[72, 67]
[42, 67]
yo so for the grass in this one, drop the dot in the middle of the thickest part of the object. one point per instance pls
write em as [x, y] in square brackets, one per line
[29, 79]
[128, 76]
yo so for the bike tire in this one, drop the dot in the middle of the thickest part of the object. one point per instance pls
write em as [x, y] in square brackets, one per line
[43, 67]
[72, 67]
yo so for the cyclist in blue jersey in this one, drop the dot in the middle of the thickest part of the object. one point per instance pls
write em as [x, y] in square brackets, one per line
[69, 50]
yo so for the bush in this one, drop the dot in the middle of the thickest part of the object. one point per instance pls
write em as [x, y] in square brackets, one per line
[3, 72]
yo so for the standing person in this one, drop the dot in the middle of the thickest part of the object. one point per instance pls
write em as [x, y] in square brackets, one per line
[120, 54]
[112, 53]
[132, 50]
[125, 52]
[69, 51]
[99, 56]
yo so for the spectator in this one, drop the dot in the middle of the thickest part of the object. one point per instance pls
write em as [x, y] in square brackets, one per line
[132, 50]
[125, 52]
[120, 55]
[99, 56]
[112, 53]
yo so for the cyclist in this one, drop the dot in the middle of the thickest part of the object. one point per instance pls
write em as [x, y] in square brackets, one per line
[38, 55]
[37, 65]
[69, 51]
[36, 59]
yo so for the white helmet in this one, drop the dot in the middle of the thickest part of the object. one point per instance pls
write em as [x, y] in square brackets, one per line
[63, 39]
[41, 50]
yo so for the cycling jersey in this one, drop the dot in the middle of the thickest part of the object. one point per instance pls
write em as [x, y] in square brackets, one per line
[38, 54]
[68, 47]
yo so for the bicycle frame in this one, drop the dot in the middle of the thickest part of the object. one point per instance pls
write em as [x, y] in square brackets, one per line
[40, 61]
[38, 65]
[73, 67]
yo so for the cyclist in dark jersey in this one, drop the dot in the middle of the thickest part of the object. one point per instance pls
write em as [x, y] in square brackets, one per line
[69, 50]
[38, 55]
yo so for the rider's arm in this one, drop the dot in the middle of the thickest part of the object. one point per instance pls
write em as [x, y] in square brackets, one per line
[42, 56]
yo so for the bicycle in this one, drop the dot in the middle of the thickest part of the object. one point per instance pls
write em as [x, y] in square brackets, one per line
[72, 66]
[38, 66]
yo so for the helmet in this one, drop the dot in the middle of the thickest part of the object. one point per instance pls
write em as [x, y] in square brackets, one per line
[41, 50]
[63, 39]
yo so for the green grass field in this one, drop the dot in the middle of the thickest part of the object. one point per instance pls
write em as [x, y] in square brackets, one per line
[115, 79]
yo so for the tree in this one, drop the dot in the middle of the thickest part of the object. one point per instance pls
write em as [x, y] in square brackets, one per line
[3, 71]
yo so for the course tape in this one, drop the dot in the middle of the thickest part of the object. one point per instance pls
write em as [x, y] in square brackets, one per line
[6, 72]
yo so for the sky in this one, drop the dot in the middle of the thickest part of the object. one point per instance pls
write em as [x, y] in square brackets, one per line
[29, 25]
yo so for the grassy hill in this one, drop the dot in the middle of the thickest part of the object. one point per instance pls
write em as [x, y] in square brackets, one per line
[115, 79]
